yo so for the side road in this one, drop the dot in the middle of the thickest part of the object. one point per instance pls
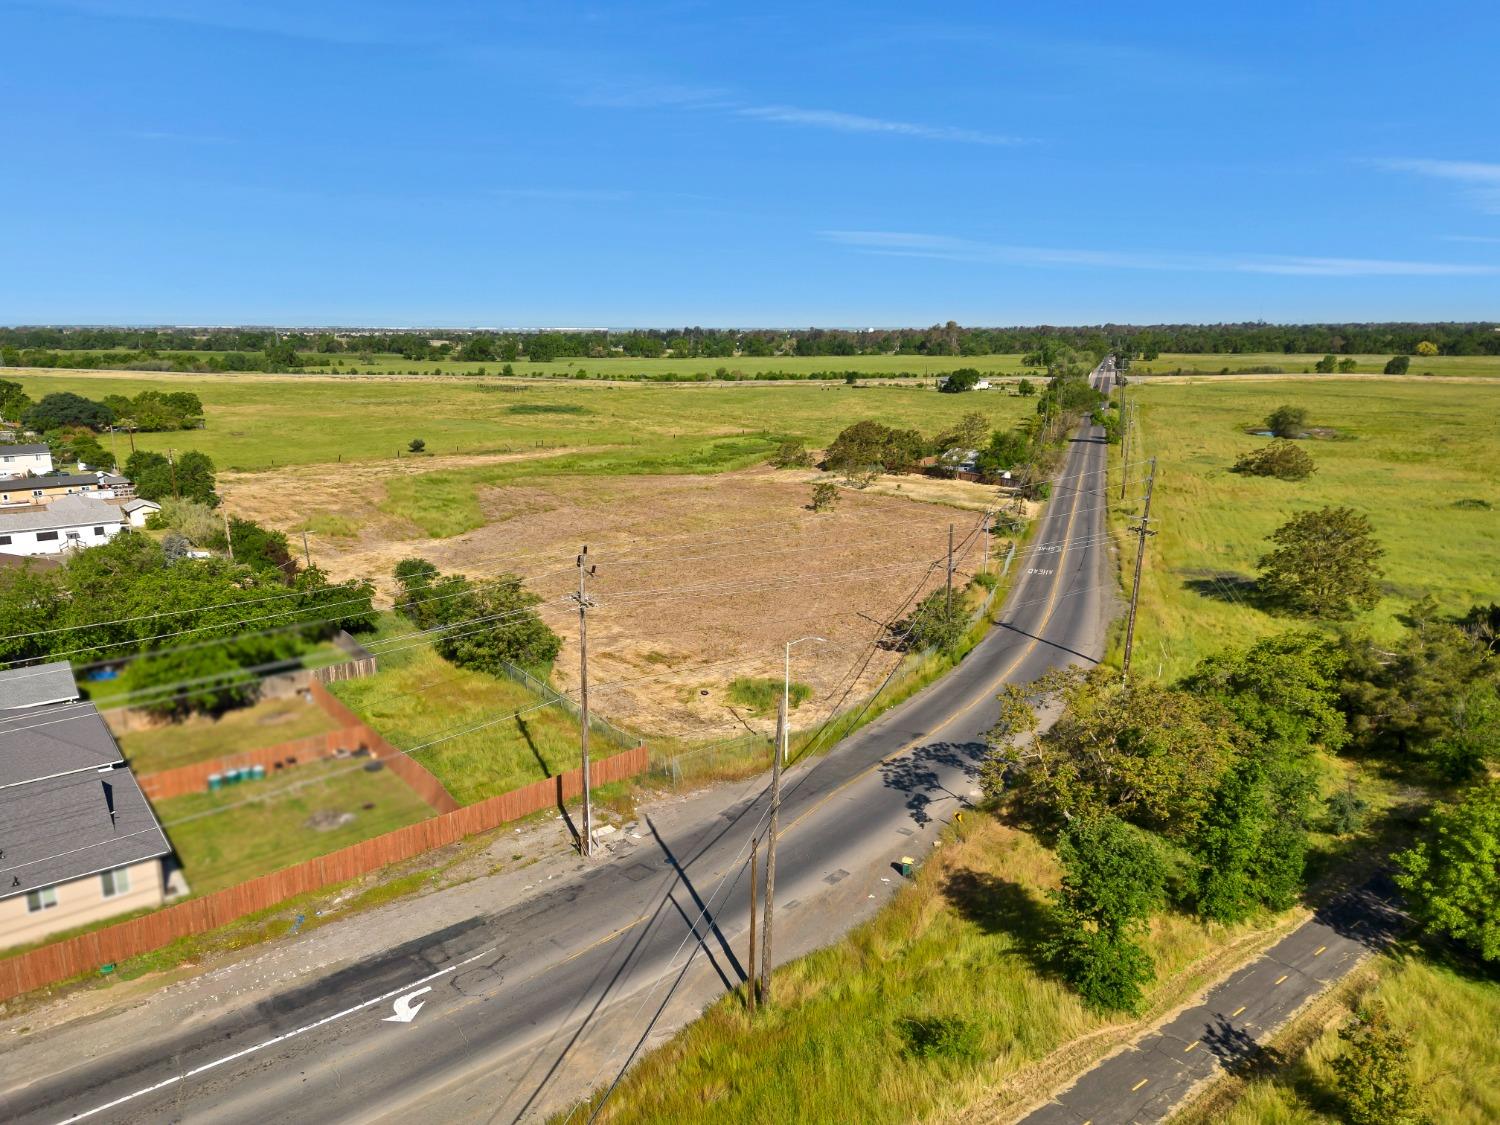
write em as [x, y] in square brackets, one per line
[1154, 1076]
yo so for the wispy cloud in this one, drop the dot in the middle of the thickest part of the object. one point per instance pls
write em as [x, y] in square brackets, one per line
[1481, 181]
[615, 94]
[859, 123]
[946, 248]
[1482, 239]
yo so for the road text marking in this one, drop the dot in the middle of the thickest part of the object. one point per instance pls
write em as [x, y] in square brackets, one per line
[275, 1039]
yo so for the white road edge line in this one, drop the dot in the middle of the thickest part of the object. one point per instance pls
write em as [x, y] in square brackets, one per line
[282, 1038]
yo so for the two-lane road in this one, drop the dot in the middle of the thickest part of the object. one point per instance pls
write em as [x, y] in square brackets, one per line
[517, 1013]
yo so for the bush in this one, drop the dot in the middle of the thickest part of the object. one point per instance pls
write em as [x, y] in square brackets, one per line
[1286, 421]
[985, 580]
[1347, 812]
[416, 445]
[762, 693]
[791, 455]
[1397, 364]
[948, 1037]
[964, 379]
[189, 518]
[825, 495]
[1281, 459]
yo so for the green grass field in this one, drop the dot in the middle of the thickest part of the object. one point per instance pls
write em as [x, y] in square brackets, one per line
[1471, 365]
[1451, 1013]
[417, 697]
[260, 422]
[243, 837]
[1414, 452]
[202, 738]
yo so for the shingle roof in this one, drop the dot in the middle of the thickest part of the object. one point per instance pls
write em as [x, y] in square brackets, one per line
[51, 480]
[6, 448]
[65, 511]
[42, 742]
[37, 685]
[138, 503]
[68, 827]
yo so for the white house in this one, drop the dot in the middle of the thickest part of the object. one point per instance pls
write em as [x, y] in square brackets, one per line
[18, 460]
[138, 511]
[68, 522]
[44, 489]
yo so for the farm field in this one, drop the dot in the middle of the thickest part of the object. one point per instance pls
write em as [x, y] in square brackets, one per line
[201, 737]
[1449, 365]
[625, 367]
[1420, 459]
[251, 829]
[701, 578]
[273, 421]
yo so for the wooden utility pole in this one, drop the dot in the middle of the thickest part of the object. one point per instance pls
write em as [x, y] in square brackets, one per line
[172, 460]
[984, 536]
[1124, 444]
[228, 538]
[752, 974]
[950, 571]
[1142, 531]
[306, 552]
[765, 950]
[584, 570]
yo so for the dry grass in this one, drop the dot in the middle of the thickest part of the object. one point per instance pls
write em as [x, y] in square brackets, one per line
[202, 737]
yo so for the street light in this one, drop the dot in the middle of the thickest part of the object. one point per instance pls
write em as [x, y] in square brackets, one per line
[786, 695]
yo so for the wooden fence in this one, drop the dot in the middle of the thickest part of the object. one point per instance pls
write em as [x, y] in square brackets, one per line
[86, 952]
[165, 784]
[407, 768]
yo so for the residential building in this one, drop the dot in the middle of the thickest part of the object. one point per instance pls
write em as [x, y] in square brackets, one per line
[45, 489]
[69, 522]
[79, 840]
[137, 511]
[18, 460]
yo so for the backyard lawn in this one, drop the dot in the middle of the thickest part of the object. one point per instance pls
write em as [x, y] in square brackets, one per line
[254, 828]
[201, 738]
[1419, 459]
[418, 697]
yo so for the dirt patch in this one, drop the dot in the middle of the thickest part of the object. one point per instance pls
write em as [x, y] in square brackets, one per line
[700, 578]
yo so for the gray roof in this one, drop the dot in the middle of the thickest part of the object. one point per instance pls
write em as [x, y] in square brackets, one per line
[36, 685]
[9, 449]
[139, 502]
[43, 742]
[65, 511]
[68, 827]
[51, 480]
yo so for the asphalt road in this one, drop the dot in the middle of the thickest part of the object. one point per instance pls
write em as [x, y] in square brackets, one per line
[1227, 1032]
[516, 1014]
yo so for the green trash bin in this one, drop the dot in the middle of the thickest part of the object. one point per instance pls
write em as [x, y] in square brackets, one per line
[906, 863]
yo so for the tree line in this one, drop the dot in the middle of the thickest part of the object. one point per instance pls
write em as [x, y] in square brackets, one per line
[255, 345]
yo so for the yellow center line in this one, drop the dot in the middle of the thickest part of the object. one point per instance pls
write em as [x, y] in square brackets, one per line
[1282, 977]
[989, 690]
[1237, 1011]
[1318, 952]
[1191, 1047]
[1139, 1084]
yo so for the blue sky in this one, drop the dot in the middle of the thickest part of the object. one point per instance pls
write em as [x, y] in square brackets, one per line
[219, 161]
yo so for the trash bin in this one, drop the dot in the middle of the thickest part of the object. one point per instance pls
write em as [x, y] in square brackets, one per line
[214, 781]
[906, 864]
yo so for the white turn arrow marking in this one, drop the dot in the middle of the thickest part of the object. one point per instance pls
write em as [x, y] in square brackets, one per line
[406, 1011]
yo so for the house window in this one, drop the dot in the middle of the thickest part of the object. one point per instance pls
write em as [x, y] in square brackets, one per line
[98, 531]
[36, 492]
[4, 540]
[44, 899]
[73, 535]
[45, 536]
[9, 458]
[115, 882]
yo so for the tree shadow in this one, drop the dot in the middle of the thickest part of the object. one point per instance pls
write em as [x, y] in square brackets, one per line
[917, 775]
[1226, 586]
[1238, 1052]
[999, 906]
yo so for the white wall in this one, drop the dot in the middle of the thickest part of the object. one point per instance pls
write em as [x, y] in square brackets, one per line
[27, 543]
[19, 464]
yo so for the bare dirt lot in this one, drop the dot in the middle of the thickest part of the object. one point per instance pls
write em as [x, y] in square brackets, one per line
[701, 579]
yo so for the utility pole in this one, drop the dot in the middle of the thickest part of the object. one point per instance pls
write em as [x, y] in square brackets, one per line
[765, 952]
[582, 597]
[1142, 531]
[172, 460]
[1124, 444]
[949, 609]
[753, 972]
[228, 538]
[984, 536]
[306, 553]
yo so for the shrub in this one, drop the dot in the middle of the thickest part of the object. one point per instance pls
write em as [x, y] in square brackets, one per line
[762, 693]
[825, 495]
[1397, 364]
[948, 1037]
[1281, 459]
[791, 455]
[416, 445]
[1286, 421]
[1372, 1073]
